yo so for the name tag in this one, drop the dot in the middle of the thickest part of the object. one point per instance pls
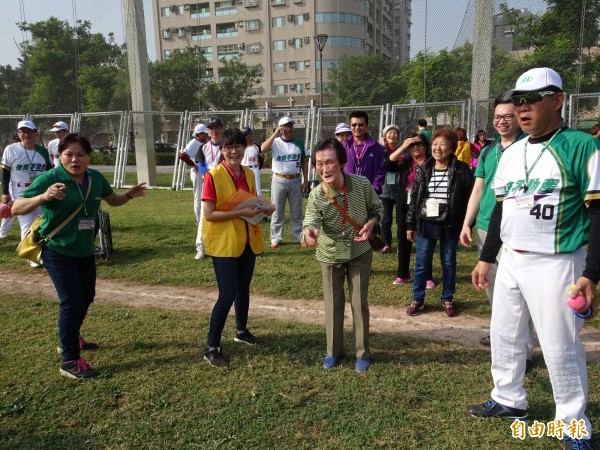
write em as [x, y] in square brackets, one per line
[524, 201]
[432, 206]
[390, 178]
[342, 250]
[87, 224]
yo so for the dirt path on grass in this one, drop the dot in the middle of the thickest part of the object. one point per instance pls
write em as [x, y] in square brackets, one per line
[433, 324]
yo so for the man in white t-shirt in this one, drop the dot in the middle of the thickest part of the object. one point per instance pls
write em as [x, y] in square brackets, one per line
[21, 163]
[207, 159]
[290, 179]
[60, 130]
[252, 158]
[190, 156]
[7, 223]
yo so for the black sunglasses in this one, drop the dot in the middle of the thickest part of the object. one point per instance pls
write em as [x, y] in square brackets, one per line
[530, 97]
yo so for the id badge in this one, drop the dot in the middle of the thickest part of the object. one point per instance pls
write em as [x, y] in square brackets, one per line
[342, 250]
[408, 194]
[390, 178]
[524, 201]
[432, 207]
[87, 224]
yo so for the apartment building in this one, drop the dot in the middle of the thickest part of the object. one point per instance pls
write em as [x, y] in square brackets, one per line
[279, 35]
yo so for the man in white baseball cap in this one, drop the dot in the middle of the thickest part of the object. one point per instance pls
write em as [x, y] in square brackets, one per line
[290, 164]
[547, 187]
[190, 156]
[21, 163]
[60, 130]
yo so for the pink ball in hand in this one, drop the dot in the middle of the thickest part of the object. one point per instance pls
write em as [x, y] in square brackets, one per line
[576, 303]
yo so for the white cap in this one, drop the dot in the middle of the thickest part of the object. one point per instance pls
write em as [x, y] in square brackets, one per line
[535, 80]
[59, 126]
[26, 124]
[342, 128]
[285, 120]
[200, 128]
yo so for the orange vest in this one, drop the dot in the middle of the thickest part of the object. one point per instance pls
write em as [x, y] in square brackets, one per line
[228, 238]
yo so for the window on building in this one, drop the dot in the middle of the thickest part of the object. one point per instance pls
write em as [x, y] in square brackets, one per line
[201, 32]
[199, 10]
[253, 48]
[207, 75]
[252, 25]
[227, 30]
[279, 67]
[277, 2]
[166, 33]
[280, 89]
[206, 51]
[297, 88]
[279, 44]
[297, 42]
[230, 51]
[298, 19]
[167, 53]
[178, 9]
[327, 64]
[334, 17]
[165, 12]
[298, 66]
[225, 8]
[277, 22]
[344, 41]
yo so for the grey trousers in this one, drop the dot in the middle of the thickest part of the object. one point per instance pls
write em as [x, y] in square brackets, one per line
[283, 189]
[357, 272]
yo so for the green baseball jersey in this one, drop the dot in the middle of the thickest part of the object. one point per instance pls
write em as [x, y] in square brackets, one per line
[545, 187]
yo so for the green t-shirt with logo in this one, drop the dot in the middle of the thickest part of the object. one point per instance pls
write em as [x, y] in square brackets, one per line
[76, 238]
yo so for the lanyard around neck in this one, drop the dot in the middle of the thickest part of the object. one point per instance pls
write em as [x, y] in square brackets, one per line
[529, 170]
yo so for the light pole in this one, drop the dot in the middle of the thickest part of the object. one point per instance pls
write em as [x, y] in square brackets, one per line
[321, 39]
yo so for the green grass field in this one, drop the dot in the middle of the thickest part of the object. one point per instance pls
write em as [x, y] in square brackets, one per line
[154, 390]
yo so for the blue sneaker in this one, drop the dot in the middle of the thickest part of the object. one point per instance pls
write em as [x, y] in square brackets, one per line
[329, 362]
[577, 444]
[362, 365]
[492, 408]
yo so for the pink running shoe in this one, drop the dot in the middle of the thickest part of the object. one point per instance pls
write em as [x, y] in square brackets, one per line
[402, 280]
[430, 284]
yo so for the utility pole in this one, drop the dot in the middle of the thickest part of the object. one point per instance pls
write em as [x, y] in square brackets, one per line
[139, 79]
[482, 63]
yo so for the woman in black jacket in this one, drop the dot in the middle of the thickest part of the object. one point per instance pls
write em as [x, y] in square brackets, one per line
[436, 211]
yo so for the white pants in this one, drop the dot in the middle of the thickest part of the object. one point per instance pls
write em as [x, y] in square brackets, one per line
[481, 237]
[7, 223]
[257, 179]
[283, 189]
[197, 184]
[25, 220]
[535, 285]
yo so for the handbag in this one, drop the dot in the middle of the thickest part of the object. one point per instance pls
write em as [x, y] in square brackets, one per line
[31, 245]
[442, 213]
[375, 240]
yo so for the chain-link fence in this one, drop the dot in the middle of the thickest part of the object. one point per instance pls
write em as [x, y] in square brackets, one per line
[433, 80]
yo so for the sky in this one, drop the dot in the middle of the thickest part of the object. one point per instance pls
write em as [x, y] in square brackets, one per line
[444, 28]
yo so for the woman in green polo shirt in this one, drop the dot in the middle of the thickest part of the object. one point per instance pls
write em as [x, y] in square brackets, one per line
[69, 255]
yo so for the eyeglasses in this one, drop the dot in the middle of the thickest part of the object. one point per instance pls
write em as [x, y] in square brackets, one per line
[230, 148]
[358, 124]
[530, 97]
[505, 117]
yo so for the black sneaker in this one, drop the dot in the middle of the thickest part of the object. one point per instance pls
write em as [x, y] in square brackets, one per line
[83, 345]
[492, 408]
[77, 368]
[215, 358]
[577, 444]
[245, 337]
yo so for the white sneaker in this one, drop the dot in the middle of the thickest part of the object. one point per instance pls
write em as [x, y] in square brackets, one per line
[3, 235]
[35, 265]
[200, 254]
